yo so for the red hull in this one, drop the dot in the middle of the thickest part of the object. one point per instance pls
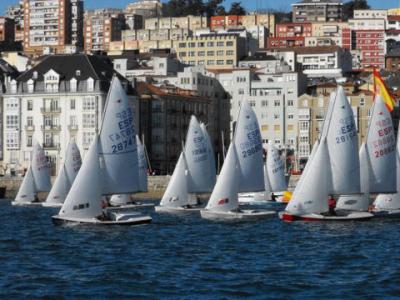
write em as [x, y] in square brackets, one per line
[291, 218]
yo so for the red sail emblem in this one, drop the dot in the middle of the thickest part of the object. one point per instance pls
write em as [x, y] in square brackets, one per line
[223, 201]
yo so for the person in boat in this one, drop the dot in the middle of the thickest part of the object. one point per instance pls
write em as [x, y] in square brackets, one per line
[36, 198]
[273, 197]
[332, 206]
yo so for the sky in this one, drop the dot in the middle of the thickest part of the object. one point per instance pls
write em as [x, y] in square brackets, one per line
[249, 4]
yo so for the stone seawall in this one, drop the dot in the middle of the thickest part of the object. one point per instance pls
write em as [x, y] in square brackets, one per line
[156, 184]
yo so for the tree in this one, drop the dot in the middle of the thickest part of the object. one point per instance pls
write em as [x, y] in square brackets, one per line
[214, 7]
[349, 7]
[237, 9]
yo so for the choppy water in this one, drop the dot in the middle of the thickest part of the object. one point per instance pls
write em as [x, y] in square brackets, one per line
[190, 258]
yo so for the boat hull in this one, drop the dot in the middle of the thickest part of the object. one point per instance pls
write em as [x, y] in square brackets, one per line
[393, 213]
[15, 203]
[129, 207]
[44, 204]
[242, 215]
[259, 198]
[175, 210]
[351, 216]
[59, 220]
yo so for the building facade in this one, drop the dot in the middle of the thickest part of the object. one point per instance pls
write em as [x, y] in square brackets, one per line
[145, 8]
[317, 11]
[60, 99]
[16, 12]
[290, 35]
[7, 30]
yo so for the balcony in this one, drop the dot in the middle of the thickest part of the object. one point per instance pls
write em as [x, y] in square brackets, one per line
[51, 110]
[72, 127]
[51, 127]
[30, 128]
[51, 146]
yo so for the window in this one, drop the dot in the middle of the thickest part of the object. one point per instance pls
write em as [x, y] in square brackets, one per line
[182, 45]
[30, 86]
[264, 127]
[200, 44]
[220, 53]
[229, 44]
[90, 85]
[277, 127]
[89, 103]
[192, 53]
[241, 92]
[304, 126]
[290, 116]
[72, 104]
[29, 141]
[210, 44]
[362, 101]
[264, 103]
[229, 52]
[252, 103]
[13, 86]
[88, 138]
[73, 85]
[210, 62]
[29, 105]
[12, 122]
[201, 53]
[220, 44]
[277, 103]
[12, 139]
[201, 62]
[290, 102]
[220, 62]
[88, 120]
[192, 45]
[229, 62]
[29, 121]
[210, 53]
[72, 120]
[276, 116]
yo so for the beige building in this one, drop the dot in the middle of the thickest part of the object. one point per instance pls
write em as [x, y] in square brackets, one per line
[329, 33]
[145, 8]
[214, 51]
[187, 22]
[312, 110]
[102, 27]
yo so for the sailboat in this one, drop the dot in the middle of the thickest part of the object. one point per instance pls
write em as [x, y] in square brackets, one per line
[378, 161]
[66, 177]
[194, 172]
[241, 172]
[109, 167]
[37, 179]
[333, 168]
[122, 202]
[274, 179]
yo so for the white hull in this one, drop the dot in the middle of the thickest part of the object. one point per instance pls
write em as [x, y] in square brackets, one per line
[259, 198]
[44, 204]
[350, 216]
[16, 203]
[174, 210]
[134, 220]
[129, 207]
[242, 215]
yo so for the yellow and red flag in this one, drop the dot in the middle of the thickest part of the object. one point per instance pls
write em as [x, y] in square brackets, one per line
[381, 89]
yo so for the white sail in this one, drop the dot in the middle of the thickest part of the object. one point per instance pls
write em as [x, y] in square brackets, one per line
[120, 199]
[342, 140]
[275, 169]
[60, 189]
[142, 163]
[248, 144]
[196, 153]
[358, 202]
[40, 169]
[381, 150]
[84, 198]
[391, 201]
[176, 194]
[27, 190]
[224, 197]
[73, 161]
[118, 144]
[267, 184]
[212, 176]
[312, 191]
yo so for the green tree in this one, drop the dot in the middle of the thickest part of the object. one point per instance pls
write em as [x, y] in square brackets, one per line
[237, 9]
[349, 7]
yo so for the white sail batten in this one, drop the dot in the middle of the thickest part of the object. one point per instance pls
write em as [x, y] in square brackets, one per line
[248, 144]
[196, 154]
[118, 149]
[342, 141]
[275, 170]
[27, 191]
[224, 197]
[40, 169]
[84, 198]
[311, 193]
[176, 194]
[142, 165]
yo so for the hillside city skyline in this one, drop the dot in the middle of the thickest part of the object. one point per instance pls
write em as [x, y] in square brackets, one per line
[249, 5]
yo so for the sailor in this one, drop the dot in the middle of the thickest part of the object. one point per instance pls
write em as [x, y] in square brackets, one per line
[273, 197]
[332, 206]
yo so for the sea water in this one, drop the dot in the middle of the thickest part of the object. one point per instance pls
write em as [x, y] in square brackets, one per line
[186, 257]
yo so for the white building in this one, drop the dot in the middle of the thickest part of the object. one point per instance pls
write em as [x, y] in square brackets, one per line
[273, 97]
[59, 99]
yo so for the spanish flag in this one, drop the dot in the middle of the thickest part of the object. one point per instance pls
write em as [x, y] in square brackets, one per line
[381, 89]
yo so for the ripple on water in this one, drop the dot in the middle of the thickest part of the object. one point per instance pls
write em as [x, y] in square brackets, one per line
[189, 258]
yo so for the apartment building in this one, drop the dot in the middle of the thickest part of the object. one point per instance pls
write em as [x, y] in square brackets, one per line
[60, 98]
[273, 97]
[133, 21]
[392, 33]
[290, 35]
[186, 22]
[233, 21]
[329, 34]
[392, 60]
[312, 111]
[7, 30]
[317, 11]
[214, 51]
[16, 12]
[165, 115]
[102, 27]
[52, 23]
[145, 8]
